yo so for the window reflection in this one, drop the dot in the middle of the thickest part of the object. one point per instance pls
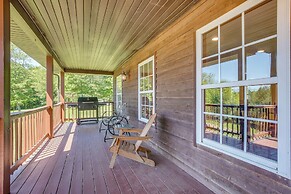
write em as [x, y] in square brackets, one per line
[210, 43]
[262, 139]
[146, 111]
[211, 127]
[261, 60]
[261, 22]
[262, 102]
[231, 66]
[232, 132]
[233, 101]
[230, 34]
[150, 68]
[212, 100]
[210, 71]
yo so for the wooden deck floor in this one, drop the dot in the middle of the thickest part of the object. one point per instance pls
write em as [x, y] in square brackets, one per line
[77, 161]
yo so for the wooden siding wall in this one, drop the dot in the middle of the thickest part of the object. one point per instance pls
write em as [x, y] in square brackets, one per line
[174, 135]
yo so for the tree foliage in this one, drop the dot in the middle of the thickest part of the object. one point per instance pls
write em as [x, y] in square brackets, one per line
[257, 95]
[77, 85]
[28, 84]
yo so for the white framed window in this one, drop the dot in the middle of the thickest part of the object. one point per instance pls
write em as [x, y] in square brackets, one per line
[146, 89]
[243, 84]
[119, 92]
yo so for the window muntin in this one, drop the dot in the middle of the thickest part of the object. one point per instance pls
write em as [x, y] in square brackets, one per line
[241, 79]
[146, 92]
[119, 92]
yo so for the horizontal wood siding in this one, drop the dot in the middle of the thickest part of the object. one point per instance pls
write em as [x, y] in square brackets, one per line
[174, 134]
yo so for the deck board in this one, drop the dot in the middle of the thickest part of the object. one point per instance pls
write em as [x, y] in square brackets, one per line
[77, 161]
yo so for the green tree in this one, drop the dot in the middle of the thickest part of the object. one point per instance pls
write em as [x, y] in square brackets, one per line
[77, 85]
[260, 96]
[28, 84]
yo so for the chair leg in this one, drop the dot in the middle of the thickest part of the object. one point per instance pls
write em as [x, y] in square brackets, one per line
[112, 162]
[100, 127]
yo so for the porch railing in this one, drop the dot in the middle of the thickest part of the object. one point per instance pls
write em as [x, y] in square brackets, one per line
[71, 111]
[27, 131]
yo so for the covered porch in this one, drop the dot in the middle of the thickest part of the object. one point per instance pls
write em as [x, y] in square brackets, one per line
[168, 58]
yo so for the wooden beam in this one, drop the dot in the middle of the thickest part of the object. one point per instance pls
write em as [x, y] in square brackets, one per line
[62, 96]
[49, 94]
[27, 18]
[84, 71]
[4, 96]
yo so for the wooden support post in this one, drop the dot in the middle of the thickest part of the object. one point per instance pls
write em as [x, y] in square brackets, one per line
[4, 96]
[62, 96]
[49, 94]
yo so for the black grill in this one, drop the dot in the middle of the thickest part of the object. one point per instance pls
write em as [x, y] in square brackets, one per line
[85, 104]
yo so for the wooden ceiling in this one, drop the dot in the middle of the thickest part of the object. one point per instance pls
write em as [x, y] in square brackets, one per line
[98, 34]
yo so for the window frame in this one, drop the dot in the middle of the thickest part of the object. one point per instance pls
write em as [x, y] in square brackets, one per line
[153, 91]
[282, 166]
[116, 90]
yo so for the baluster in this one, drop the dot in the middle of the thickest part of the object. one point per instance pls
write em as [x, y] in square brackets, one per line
[26, 130]
[21, 136]
[30, 132]
[16, 140]
[34, 128]
[11, 142]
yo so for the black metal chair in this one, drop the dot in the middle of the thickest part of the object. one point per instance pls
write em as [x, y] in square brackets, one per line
[111, 124]
[105, 121]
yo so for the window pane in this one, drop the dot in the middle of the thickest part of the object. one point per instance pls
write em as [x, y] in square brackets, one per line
[149, 98]
[151, 68]
[150, 112]
[150, 83]
[261, 60]
[146, 69]
[210, 43]
[230, 34]
[232, 134]
[118, 84]
[143, 111]
[233, 101]
[211, 127]
[231, 66]
[212, 100]
[261, 22]
[263, 139]
[142, 86]
[147, 113]
[146, 83]
[262, 102]
[210, 71]
[144, 99]
[141, 71]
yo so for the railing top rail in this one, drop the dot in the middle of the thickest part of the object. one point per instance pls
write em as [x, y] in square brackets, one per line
[77, 102]
[249, 106]
[58, 104]
[28, 112]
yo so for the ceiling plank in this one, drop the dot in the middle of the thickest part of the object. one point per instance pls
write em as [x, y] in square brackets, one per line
[101, 34]
[35, 29]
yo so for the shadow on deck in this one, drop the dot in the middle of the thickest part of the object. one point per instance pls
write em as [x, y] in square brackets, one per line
[77, 161]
